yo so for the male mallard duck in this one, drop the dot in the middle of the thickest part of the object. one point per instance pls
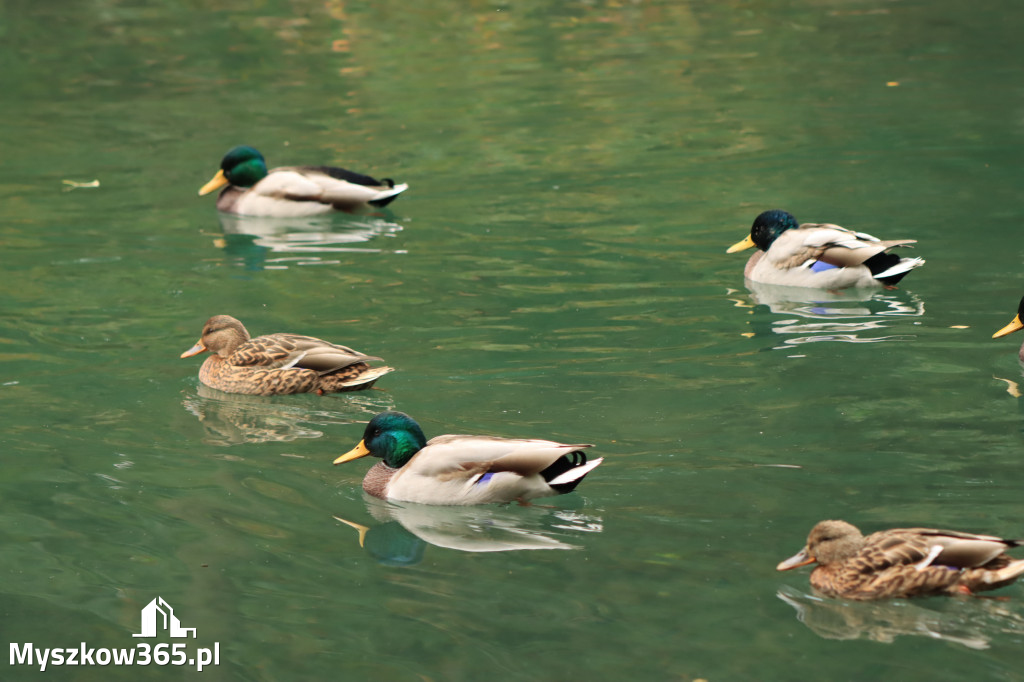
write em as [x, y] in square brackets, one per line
[278, 364]
[293, 191]
[463, 469]
[1015, 324]
[820, 255]
[904, 562]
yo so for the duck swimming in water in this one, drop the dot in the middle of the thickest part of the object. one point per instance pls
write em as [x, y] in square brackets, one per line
[820, 255]
[278, 364]
[462, 470]
[293, 191]
[904, 562]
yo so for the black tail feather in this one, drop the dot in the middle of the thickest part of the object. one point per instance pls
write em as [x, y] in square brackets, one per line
[576, 458]
[881, 262]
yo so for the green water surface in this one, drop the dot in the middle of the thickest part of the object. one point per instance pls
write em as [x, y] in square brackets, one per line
[557, 270]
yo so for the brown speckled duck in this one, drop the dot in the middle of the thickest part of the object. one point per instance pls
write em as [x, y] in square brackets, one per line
[464, 470]
[904, 562]
[1016, 323]
[278, 364]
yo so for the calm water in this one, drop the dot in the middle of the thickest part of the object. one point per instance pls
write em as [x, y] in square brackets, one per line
[556, 270]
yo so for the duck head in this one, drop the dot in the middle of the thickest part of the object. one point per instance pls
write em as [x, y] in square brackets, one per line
[242, 167]
[222, 334]
[765, 230]
[828, 542]
[393, 436]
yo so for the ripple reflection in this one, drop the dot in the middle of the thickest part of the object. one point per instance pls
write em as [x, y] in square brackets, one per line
[404, 529]
[845, 315]
[230, 418]
[259, 243]
[969, 623]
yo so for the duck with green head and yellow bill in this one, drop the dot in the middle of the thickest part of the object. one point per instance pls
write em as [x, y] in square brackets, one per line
[278, 364]
[293, 191]
[904, 562]
[820, 255]
[1015, 324]
[462, 469]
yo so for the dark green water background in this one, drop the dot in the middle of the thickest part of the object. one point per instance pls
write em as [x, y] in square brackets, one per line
[556, 270]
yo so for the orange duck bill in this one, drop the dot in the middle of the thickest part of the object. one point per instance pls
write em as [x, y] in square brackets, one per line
[194, 350]
[801, 558]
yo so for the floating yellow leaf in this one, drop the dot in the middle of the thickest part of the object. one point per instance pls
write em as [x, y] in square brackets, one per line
[74, 184]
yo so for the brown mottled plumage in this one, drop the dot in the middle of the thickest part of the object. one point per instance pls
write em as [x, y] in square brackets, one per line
[278, 364]
[904, 562]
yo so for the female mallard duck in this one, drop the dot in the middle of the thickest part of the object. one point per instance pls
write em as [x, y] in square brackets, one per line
[464, 469]
[278, 364]
[293, 191]
[904, 562]
[1015, 324]
[820, 255]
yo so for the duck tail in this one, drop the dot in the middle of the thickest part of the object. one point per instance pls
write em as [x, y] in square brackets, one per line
[566, 472]
[362, 377]
[371, 374]
[1006, 574]
[389, 195]
[888, 268]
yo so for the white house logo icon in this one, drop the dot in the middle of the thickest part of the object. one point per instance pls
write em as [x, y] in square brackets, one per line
[166, 616]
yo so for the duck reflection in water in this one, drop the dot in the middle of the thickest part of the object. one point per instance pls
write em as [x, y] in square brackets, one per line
[232, 418]
[276, 243]
[403, 530]
[814, 315]
[970, 623]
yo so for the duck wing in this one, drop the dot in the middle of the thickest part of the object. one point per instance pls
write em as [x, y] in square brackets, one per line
[347, 176]
[962, 550]
[326, 185]
[923, 547]
[842, 247]
[454, 456]
[284, 351]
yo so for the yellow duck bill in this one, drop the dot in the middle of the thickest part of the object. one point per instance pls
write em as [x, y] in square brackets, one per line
[742, 245]
[355, 453]
[1010, 328]
[215, 183]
